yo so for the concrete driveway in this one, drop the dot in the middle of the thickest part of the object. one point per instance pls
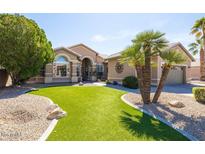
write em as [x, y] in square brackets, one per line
[181, 89]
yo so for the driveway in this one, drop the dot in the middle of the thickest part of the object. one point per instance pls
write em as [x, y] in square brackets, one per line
[181, 89]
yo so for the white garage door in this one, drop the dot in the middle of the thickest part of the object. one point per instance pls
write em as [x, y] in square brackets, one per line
[175, 76]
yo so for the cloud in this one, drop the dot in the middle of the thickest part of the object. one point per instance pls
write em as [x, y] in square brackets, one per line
[117, 36]
[98, 38]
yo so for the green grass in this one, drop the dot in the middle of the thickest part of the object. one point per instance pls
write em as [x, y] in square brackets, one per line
[98, 114]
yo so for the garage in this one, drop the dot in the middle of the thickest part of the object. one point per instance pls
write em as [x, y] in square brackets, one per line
[176, 76]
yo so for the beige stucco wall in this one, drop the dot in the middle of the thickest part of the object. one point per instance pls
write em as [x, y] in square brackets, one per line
[194, 72]
[67, 53]
[85, 52]
[128, 70]
[114, 76]
[156, 68]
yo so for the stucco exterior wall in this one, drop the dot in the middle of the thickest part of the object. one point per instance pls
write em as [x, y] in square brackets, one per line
[86, 52]
[194, 73]
[69, 55]
[114, 76]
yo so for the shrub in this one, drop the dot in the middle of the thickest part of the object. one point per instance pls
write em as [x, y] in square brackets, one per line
[115, 83]
[199, 94]
[107, 82]
[130, 82]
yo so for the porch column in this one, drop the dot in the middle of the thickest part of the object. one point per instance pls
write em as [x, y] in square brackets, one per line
[94, 75]
[48, 73]
[80, 71]
[74, 77]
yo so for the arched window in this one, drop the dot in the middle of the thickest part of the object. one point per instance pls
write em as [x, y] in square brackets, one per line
[61, 66]
[61, 59]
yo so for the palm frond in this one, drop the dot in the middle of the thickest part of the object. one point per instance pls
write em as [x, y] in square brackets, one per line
[172, 57]
[132, 55]
[194, 47]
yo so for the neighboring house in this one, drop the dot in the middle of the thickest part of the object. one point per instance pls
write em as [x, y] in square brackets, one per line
[178, 75]
[195, 70]
[73, 64]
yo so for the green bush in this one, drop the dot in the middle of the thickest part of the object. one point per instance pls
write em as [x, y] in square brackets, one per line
[107, 82]
[199, 94]
[130, 82]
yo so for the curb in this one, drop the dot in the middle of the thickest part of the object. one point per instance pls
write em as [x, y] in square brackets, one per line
[190, 137]
[51, 126]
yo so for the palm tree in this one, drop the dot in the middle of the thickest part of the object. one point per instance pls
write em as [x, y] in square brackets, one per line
[198, 30]
[197, 47]
[171, 58]
[135, 58]
[150, 43]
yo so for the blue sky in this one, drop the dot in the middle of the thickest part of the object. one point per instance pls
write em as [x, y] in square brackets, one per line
[110, 33]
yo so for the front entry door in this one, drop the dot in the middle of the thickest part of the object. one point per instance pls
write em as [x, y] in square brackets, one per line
[86, 69]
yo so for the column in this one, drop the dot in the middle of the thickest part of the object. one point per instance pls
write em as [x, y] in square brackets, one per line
[49, 73]
[94, 75]
[74, 77]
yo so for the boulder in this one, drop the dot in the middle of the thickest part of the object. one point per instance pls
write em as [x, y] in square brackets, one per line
[57, 113]
[177, 104]
[51, 107]
[34, 89]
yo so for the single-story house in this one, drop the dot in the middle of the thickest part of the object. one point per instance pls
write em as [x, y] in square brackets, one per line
[178, 75]
[81, 63]
[195, 70]
[73, 64]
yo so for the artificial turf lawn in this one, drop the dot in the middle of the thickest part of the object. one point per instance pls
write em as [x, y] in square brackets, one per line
[98, 114]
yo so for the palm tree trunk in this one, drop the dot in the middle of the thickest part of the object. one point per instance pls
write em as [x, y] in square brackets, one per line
[140, 80]
[163, 78]
[147, 77]
[202, 65]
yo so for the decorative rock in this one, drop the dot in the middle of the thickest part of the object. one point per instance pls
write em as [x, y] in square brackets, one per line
[51, 107]
[56, 114]
[176, 104]
[34, 89]
[80, 83]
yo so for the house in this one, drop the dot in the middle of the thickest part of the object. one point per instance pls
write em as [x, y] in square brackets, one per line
[195, 70]
[73, 64]
[178, 75]
[81, 63]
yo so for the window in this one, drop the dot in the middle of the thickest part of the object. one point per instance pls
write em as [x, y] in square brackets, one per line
[61, 71]
[99, 68]
[61, 59]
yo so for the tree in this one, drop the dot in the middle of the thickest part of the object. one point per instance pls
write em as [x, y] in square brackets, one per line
[195, 48]
[198, 30]
[24, 48]
[171, 58]
[135, 58]
[145, 45]
[151, 43]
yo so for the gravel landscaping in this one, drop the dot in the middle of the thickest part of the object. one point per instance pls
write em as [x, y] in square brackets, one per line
[190, 118]
[22, 116]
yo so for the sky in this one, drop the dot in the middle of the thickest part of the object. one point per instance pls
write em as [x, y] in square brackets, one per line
[111, 33]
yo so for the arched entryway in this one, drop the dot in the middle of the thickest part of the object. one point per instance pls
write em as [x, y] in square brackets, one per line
[86, 69]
